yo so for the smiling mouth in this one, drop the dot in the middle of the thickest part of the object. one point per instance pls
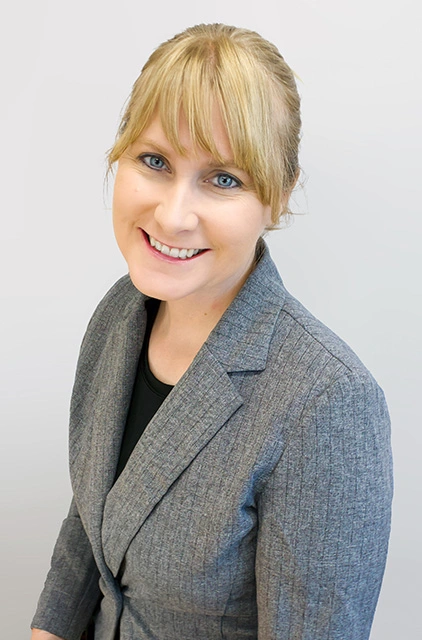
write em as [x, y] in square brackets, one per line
[173, 252]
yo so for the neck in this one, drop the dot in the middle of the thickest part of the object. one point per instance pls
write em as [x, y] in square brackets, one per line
[185, 318]
[177, 335]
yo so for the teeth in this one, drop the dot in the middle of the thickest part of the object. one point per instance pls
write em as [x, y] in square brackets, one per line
[172, 252]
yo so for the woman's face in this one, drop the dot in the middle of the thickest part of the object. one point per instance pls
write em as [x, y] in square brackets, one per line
[186, 226]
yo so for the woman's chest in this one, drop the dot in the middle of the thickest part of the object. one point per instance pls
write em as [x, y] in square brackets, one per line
[196, 550]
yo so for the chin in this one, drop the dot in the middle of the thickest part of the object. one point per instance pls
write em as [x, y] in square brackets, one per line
[148, 288]
[144, 287]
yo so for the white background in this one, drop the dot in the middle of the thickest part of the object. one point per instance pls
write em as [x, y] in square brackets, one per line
[352, 258]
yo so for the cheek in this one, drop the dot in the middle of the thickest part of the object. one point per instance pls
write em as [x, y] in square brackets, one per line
[243, 229]
[124, 198]
[126, 192]
[132, 200]
[127, 210]
[123, 216]
[119, 230]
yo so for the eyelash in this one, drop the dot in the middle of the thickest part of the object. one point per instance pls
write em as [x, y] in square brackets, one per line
[145, 156]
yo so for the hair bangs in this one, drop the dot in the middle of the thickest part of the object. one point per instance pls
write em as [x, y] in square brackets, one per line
[189, 89]
[247, 110]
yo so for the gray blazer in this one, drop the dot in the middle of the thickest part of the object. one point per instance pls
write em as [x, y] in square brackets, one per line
[255, 505]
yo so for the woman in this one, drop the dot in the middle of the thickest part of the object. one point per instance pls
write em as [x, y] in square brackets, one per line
[229, 455]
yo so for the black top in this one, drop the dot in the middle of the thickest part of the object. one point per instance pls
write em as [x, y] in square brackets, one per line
[147, 396]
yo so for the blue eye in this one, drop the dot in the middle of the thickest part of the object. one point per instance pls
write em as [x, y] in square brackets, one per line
[226, 181]
[153, 162]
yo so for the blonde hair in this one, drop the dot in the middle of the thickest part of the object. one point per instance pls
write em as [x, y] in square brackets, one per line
[254, 88]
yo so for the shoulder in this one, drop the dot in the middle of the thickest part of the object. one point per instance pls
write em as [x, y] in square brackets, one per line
[327, 381]
[119, 302]
[120, 309]
[316, 339]
[306, 358]
[121, 298]
[288, 341]
[325, 401]
[113, 333]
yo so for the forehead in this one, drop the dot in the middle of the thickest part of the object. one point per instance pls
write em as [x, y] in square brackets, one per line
[189, 142]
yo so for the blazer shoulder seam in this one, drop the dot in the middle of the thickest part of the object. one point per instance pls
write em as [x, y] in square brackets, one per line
[322, 344]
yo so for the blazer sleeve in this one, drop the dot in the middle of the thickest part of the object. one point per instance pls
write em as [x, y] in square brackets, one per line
[71, 590]
[324, 519]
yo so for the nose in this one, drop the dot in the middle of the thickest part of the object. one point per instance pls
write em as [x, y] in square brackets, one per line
[176, 210]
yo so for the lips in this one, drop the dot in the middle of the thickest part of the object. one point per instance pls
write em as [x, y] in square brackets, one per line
[173, 252]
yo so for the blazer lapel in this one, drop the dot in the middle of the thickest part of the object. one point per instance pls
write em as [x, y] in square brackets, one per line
[198, 406]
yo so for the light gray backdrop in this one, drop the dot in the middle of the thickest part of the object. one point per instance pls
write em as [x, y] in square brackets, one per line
[352, 258]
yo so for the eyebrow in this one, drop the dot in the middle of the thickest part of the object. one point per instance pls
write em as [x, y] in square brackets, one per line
[228, 163]
[150, 143]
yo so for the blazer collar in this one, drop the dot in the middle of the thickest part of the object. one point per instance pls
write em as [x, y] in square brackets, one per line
[241, 339]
